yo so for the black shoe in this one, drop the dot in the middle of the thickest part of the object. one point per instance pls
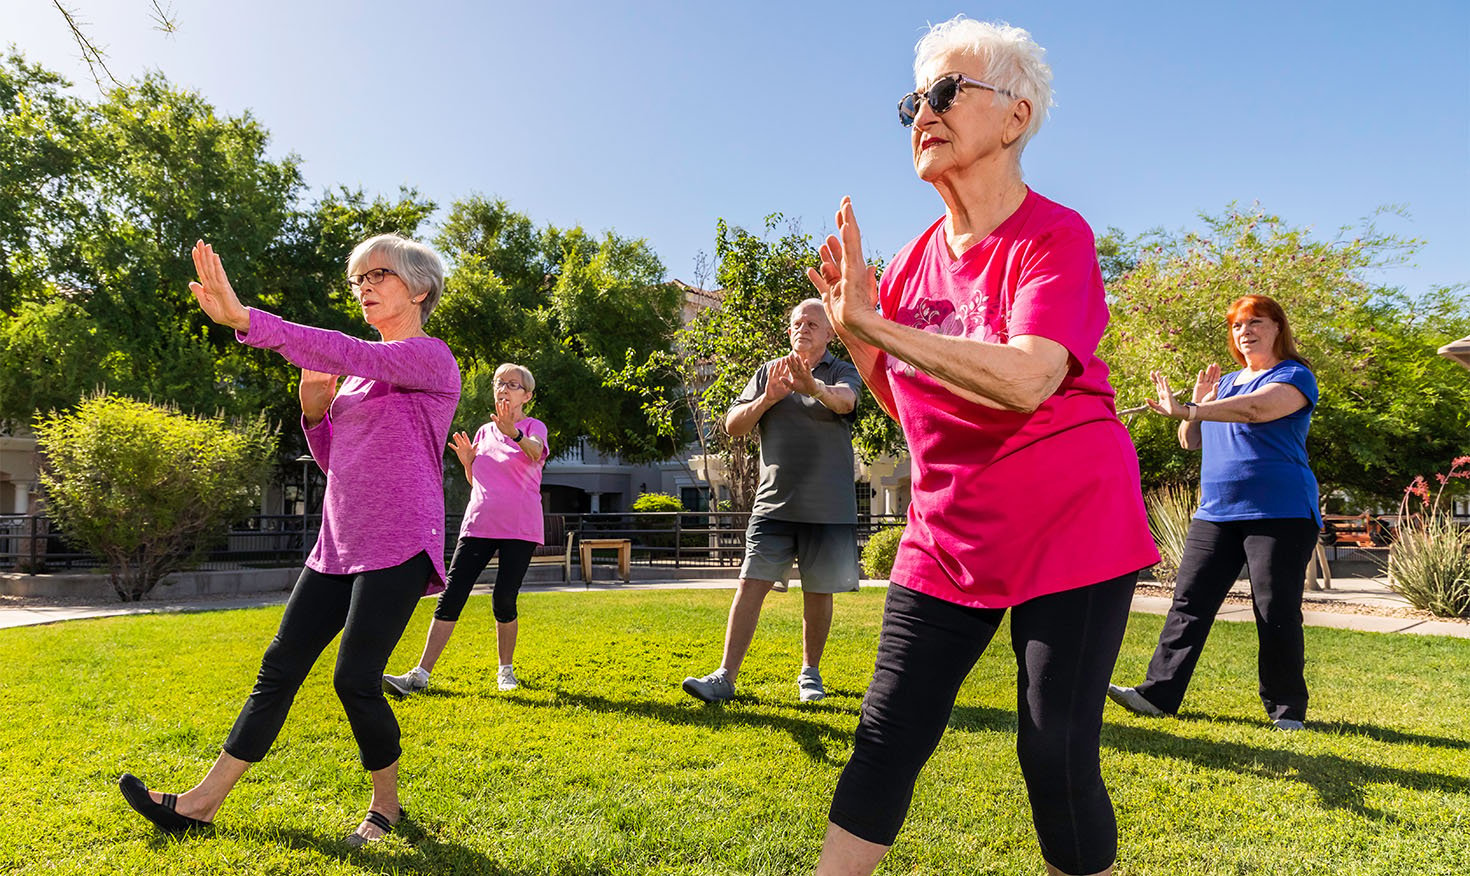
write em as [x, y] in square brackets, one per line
[163, 815]
[377, 819]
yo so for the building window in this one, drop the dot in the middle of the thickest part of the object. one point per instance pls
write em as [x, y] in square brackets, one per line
[864, 498]
[694, 498]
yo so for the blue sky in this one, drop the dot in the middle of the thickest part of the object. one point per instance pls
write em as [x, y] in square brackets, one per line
[655, 119]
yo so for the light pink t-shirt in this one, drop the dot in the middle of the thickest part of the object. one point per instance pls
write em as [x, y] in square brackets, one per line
[505, 500]
[1009, 506]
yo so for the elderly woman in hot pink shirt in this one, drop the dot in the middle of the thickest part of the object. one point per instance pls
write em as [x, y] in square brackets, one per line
[1025, 483]
[379, 438]
[503, 465]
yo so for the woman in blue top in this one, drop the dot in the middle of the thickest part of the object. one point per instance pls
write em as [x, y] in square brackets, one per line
[1258, 506]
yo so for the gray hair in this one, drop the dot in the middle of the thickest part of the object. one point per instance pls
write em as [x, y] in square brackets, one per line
[1013, 61]
[419, 267]
[810, 302]
[527, 380]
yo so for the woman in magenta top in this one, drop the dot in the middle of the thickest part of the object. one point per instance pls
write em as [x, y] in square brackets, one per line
[981, 341]
[379, 438]
[503, 465]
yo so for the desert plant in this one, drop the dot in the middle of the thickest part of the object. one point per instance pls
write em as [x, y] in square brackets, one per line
[880, 551]
[145, 487]
[1429, 561]
[1170, 509]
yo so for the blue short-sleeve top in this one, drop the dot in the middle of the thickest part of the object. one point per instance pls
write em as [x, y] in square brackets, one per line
[1256, 471]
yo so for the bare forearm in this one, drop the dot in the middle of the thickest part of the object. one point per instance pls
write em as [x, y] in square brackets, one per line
[837, 398]
[1189, 435]
[995, 375]
[865, 359]
[742, 418]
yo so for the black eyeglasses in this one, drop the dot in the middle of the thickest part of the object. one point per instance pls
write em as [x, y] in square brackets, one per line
[940, 96]
[372, 278]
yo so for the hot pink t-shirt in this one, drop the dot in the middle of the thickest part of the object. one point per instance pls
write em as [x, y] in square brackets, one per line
[505, 499]
[1009, 506]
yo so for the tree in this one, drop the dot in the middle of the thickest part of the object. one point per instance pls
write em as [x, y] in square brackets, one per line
[577, 310]
[1389, 406]
[146, 487]
[760, 281]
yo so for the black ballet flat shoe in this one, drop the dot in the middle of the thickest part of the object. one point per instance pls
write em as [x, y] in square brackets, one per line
[377, 819]
[163, 815]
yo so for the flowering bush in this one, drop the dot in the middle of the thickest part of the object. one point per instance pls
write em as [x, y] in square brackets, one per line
[1429, 562]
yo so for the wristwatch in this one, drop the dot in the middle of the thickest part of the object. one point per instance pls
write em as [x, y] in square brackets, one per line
[519, 435]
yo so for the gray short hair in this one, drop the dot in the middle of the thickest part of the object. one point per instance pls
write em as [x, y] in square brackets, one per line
[1013, 61]
[527, 380]
[419, 267]
[809, 302]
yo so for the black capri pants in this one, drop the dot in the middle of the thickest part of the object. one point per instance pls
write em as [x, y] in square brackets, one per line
[370, 610]
[471, 556]
[1065, 646]
[1277, 552]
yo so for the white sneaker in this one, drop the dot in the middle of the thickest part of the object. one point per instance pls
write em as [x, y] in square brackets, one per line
[507, 679]
[1130, 699]
[809, 687]
[412, 681]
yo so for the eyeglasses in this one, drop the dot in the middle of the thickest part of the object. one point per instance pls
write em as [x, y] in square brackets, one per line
[372, 278]
[508, 384]
[940, 96]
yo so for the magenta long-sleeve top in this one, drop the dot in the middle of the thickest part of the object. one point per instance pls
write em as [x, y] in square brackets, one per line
[381, 443]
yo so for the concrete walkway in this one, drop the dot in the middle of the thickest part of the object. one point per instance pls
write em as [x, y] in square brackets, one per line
[1369, 604]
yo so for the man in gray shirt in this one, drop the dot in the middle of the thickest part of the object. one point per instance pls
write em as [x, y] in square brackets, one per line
[803, 406]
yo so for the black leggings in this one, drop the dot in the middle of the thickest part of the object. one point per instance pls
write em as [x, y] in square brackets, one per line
[1277, 553]
[471, 556]
[371, 610]
[1065, 645]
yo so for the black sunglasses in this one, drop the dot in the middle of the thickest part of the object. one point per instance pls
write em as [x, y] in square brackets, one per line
[940, 96]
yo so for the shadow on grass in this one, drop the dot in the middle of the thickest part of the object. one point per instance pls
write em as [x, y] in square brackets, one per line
[1343, 728]
[428, 856]
[1340, 782]
[813, 737]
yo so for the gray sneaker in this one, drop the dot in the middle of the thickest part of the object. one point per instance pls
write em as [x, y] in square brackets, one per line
[809, 685]
[713, 688]
[1289, 724]
[412, 681]
[505, 678]
[1130, 699]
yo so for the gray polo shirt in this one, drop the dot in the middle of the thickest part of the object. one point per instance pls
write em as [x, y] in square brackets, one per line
[806, 450]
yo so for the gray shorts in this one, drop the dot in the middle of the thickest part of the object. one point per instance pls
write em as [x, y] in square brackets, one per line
[826, 554]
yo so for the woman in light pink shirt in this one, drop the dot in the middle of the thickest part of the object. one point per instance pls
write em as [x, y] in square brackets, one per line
[1025, 485]
[503, 465]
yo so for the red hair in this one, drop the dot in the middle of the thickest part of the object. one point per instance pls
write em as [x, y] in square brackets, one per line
[1266, 307]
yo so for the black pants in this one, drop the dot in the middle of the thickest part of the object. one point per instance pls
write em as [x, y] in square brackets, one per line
[371, 610]
[1065, 646]
[471, 556]
[1277, 553]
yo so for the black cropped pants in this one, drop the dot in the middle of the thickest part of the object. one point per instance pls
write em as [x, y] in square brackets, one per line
[1065, 646]
[471, 556]
[370, 610]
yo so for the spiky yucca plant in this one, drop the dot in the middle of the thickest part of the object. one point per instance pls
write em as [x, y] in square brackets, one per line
[1170, 508]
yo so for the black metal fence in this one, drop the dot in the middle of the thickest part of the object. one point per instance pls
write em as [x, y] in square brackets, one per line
[676, 539]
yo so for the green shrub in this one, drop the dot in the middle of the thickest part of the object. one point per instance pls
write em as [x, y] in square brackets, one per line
[148, 488]
[1170, 509]
[1429, 564]
[880, 551]
[657, 502]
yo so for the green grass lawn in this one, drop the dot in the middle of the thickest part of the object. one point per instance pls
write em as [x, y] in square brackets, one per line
[599, 764]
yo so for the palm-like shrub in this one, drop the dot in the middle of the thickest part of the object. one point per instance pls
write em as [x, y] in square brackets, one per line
[1429, 561]
[1170, 508]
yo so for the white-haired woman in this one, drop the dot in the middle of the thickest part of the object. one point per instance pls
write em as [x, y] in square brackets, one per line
[1025, 494]
[379, 438]
[503, 465]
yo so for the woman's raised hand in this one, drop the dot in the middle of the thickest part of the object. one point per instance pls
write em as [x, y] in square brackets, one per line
[464, 449]
[1166, 403]
[214, 292]
[317, 390]
[505, 419]
[847, 284]
[1206, 383]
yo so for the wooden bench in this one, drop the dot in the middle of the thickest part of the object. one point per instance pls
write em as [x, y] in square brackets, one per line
[623, 546]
